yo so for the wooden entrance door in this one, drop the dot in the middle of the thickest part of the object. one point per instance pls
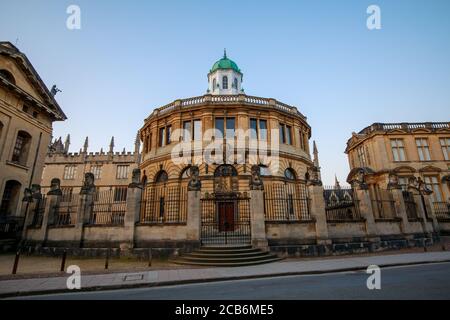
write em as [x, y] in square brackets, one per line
[226, 216]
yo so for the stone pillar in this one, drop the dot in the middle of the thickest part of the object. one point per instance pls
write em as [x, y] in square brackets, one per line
[85, 203]
[133, 209]
[317, 209]
[366, 211]
[28, 206]
[257, 220]
[49, 212]
[430, 209]
[400, 208]
[427, 229]
[193, 222]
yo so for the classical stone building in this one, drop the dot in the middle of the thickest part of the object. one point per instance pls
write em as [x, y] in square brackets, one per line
[111, 169]
[414, 156]
[27, 111]
[225, 169]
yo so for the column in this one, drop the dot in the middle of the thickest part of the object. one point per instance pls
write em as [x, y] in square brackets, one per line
[317, 209]
[427, 229]
[193, 223]
[257, 220]
[84, 207]
[366, 211]
[400, 208]
[133, 209]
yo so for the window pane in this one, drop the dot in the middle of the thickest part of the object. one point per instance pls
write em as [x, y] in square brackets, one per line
[161, 137]
[263, 129]
[219, 128]
[253, 129]
[168, 133]
[197, 130]
[187, 131]
[282, 134]
[402, 154]
[230, 128]
[288, 135]
[225, 82]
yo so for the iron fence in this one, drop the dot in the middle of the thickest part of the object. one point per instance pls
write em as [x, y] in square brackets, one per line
[410, 204]
[383, 205]
[341, 204]
[164, 204]
[109, 207]
[64, 213]
[286, 202]
[442, 210]
[225, 220]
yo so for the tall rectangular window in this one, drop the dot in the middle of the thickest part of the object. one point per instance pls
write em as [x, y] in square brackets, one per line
[70, 172]
[219, 126]
[398, 149]
[253, 129]
[282, 133]
[403, 182]
[361, 156]
[423, 149]
[288, 135]
[20, 141]
[187, 131]
[96, 171]
[168, 134]
[432, 182]
[161, 137]
[150, 138]
[445, 147]
[122, 172]
[197, 136]
[262, 129]
[230, 125]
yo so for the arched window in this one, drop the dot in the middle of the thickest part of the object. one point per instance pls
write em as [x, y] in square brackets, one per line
[21, 148]
[224, 82]
[214, 84]
[7, 76]
[289, 174]
[161, 176]
[235, 83]
[10, 198]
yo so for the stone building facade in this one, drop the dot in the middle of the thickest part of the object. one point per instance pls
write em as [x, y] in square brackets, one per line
[225, 169]
[413, 156]
[27, 111]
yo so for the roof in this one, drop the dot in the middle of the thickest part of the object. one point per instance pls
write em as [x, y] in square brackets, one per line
[8, 49]
[225, 63]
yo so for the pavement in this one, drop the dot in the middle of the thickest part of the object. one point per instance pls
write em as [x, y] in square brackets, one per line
[424, 282]
[57, 284]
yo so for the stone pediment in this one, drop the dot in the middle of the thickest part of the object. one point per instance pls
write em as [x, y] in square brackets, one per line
[430, 169]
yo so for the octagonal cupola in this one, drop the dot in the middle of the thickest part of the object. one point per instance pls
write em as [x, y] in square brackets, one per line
[225, 77]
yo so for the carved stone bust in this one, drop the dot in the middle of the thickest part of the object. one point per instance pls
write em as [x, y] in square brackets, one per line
[393, 182]
[36, 191]
[55, 187]
[413, 184]
[194, 183]
[27, 195]
[255, 180]
[135, 179]
[359, 180]
[88, 184]
[312, 176]
[423, 187]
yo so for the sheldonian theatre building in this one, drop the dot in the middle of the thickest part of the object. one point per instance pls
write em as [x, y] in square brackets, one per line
[219, 179]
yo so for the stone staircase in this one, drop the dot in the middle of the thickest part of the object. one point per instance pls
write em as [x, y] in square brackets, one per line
[234, 256]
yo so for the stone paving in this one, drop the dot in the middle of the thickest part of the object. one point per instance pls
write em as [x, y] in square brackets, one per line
[177, 276]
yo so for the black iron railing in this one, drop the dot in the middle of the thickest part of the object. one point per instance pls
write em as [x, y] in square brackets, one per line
[286, 202]
[410, 204]
[442, 210]
[109, 207]
[164, 204]
[38, 212]
[64, 213]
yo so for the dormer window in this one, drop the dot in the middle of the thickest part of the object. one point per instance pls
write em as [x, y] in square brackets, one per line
[225, 82]
[214, 84]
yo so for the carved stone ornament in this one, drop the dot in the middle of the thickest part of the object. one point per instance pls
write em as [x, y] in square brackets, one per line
[413, 184]
[393, 182]
[359, 180]
[423, 188]
[135, 179]
[255, 180]
[313, 177]
[88, 184]
[194, 183]
[55, 187]
[27, 195]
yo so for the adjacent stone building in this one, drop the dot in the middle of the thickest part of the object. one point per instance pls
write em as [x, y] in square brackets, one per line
[27, 111]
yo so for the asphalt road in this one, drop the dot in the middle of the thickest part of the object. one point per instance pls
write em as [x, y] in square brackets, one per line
[428, 281]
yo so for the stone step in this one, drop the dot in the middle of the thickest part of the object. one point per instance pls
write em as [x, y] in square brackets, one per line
[226, 256]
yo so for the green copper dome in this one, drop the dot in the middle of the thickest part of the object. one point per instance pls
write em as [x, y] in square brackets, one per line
[225, 63]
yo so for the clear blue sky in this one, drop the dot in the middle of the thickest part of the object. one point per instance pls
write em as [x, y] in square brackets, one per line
[132, 56]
